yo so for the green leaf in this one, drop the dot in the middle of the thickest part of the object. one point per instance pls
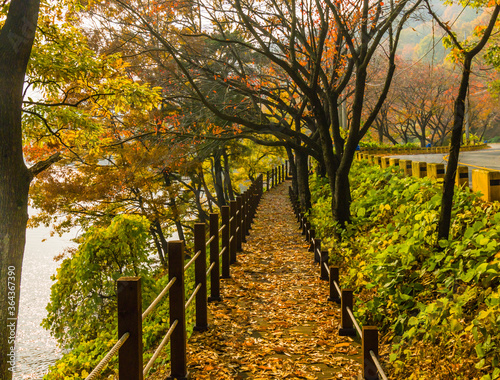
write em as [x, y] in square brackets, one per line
[467, 277]
[481, 268]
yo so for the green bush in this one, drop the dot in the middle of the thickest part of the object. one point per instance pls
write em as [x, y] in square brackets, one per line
[83, 302]
[438, 305]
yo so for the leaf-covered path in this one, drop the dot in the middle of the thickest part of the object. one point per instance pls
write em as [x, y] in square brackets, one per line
[274, 321]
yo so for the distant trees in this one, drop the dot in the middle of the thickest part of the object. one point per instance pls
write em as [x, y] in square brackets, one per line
[419, 105]
[464, 51]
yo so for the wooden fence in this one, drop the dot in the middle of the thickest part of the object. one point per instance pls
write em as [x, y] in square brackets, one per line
[348, 324]
[236, 220]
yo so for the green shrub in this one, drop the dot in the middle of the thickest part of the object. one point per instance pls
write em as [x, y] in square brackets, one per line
[433, 302]
[83, 302]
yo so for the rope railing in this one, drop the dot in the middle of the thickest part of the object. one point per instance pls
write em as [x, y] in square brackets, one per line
[326, 268]
[106, 359]
[235, 225]
[188, 302]
[209, 241]
[158, 298]
[193, 259]
[337, 288]
[159, 348]
[210, 268]
[222, 251]
[353, 320]
[348, 325]
[377, 364]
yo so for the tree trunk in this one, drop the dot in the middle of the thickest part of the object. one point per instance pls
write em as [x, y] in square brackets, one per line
[218, 184]
[196, 189]
[180, 229]
[155, 229]
[341, 200]
[227, 177]
[292, 169]
[210, 198]
[301, 159]
[451, 169]
[380, 130]
[16, 40]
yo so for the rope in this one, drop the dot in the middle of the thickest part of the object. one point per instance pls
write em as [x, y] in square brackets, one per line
[158, 298]
[358, 329]
[222, 252]
[222, 227]
[377, 364]
[210, 268]
[192, 296]
[157, 352]
[338, 289]
[326, 266]
[209, 241]
[192, 260]
[108, 357]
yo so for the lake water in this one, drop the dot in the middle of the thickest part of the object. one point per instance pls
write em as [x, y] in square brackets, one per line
[36, 350]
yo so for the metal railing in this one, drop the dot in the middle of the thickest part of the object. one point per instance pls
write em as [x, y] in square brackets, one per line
[372, 368]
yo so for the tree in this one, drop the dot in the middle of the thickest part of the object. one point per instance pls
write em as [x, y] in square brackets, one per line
[310, 50]
[64, 124]
[16, 40]
[83, 298]
[465, 52]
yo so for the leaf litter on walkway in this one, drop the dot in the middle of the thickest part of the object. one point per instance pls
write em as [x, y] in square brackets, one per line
[274, 321]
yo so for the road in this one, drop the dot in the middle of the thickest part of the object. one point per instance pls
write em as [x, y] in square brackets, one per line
[480, 159]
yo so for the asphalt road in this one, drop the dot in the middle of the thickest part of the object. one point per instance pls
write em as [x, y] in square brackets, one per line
[480, 159]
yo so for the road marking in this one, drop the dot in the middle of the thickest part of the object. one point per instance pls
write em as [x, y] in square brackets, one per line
[472, 166]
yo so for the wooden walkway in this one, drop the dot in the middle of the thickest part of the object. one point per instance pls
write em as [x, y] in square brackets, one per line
[274, 321]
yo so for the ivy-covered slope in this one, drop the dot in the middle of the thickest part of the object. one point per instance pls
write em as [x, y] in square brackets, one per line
[438, 308]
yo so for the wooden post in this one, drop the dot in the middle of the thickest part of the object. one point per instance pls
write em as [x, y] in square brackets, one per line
[308, 228]
[130, 320]
[224, 210]
[232, 232]
[247, 213]
[324, 266]
[178, 352]
[214, 258]
[346, 325]
[312, 236]
[239, 231]
[200, 277]
[255, 202]
[286, 169]
[267, 180]
[369, 343]
[334, 277]
[317, 247]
